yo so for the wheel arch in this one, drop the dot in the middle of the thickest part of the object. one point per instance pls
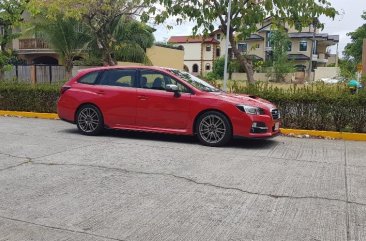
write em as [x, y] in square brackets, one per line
[84, 104]
[208, 110]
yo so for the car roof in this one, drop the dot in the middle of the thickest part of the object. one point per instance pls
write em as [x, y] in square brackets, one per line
[122, 67]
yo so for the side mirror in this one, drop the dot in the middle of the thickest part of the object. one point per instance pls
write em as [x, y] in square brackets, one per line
[174, 89]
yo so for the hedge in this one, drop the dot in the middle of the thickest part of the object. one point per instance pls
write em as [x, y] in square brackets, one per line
[25, 97]
[313, 107]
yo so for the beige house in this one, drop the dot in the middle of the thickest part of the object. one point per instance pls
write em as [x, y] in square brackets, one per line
[200, 52]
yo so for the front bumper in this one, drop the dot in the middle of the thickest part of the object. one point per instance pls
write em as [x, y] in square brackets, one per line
[257, 126]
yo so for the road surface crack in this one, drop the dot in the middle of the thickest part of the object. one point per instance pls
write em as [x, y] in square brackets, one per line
[200, 183]
[28, 160]
[347, 195]
[61, 229]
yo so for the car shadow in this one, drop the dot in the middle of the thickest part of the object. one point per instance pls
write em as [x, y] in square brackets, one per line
[135, 135]
[254, 143]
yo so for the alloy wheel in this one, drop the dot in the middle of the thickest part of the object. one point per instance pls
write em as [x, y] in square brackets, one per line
[88, 120]
[212, 129]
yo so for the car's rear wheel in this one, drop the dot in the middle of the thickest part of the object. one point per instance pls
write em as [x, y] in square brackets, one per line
[213, 129]
[89, 120]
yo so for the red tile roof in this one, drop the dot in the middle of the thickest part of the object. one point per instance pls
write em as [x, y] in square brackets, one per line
[191, 39]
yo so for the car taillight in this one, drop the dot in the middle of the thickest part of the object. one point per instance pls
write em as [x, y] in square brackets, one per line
[64, 88]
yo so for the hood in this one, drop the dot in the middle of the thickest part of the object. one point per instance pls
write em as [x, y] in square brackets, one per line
[245, 100]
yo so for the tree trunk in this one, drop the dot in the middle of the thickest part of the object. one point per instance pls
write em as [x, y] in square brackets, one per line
[107, 59]
[68, 63]
[245, 63]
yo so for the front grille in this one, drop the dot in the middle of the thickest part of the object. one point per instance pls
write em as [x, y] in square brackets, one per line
[275, 114]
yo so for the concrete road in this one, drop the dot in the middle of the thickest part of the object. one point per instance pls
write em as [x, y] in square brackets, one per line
[56, 184]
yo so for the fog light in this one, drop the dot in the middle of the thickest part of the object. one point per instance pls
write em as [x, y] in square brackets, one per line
[259, 127]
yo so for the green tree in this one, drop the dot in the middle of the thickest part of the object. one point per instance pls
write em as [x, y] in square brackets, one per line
[68, 37]
[101, 17]
[348, 67]
[219, 66]
[353, 50]
[245, 18]
[10, 16]
[132, 38]
[281, 64]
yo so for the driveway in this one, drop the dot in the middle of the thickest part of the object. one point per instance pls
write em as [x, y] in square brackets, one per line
[58, 185]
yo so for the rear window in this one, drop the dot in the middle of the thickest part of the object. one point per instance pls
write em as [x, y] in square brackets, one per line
[89, 78]
[118, 77]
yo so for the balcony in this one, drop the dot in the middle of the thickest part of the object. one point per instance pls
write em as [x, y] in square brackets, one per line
[33, 43]
[323, 58]
[320, 58]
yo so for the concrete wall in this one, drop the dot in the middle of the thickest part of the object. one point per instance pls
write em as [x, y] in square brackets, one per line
[243, 76]
[320, 72]
[163, 57]
[166, 57]
[326, 72]
[263, 76]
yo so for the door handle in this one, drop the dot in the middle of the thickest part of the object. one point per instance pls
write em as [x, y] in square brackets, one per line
[100, 92]
[143, 97]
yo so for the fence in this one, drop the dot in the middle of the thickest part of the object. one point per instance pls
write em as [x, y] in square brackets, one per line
[36, 73]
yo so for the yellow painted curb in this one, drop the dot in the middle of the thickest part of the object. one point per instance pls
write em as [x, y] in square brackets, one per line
[324, 134]
[51, 116]
[327, 134]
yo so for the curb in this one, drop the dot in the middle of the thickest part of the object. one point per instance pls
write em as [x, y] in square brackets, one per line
[50, 116]
[324, 134]
[327, 134]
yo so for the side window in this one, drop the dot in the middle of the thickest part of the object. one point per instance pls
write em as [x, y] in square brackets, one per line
[89, 78]
[119, 77]
[150, 79]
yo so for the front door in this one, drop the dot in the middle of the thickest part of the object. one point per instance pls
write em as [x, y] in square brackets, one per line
[159, 109]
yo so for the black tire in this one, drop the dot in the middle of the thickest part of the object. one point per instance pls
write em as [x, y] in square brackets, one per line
[213, 129]
[89, 120]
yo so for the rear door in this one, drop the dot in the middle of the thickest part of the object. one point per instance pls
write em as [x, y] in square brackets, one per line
[117, 89]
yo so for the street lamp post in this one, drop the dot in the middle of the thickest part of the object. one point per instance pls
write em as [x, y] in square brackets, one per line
[227, 45]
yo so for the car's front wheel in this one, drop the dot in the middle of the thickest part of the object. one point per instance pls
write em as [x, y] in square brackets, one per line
[89, 120]
[213, 129]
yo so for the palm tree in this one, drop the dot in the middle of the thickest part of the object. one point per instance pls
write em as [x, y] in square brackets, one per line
[68, 37]
[132, 38]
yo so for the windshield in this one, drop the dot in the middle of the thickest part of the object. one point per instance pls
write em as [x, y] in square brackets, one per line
[193, 80]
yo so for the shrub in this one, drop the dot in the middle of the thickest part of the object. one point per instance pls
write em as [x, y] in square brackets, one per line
[318, 106]
[25, 97]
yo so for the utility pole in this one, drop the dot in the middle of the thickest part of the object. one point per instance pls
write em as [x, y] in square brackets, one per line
[315, 23]
[227, 45]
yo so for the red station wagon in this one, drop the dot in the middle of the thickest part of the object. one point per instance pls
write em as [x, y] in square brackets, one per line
[163, 100]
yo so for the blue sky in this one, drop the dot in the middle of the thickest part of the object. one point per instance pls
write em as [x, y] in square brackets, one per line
[348, 20]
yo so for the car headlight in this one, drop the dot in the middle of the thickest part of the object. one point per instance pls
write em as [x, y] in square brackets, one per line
[251, 110]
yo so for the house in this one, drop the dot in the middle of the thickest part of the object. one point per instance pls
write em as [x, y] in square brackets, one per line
[33, 50]
[201, 52]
